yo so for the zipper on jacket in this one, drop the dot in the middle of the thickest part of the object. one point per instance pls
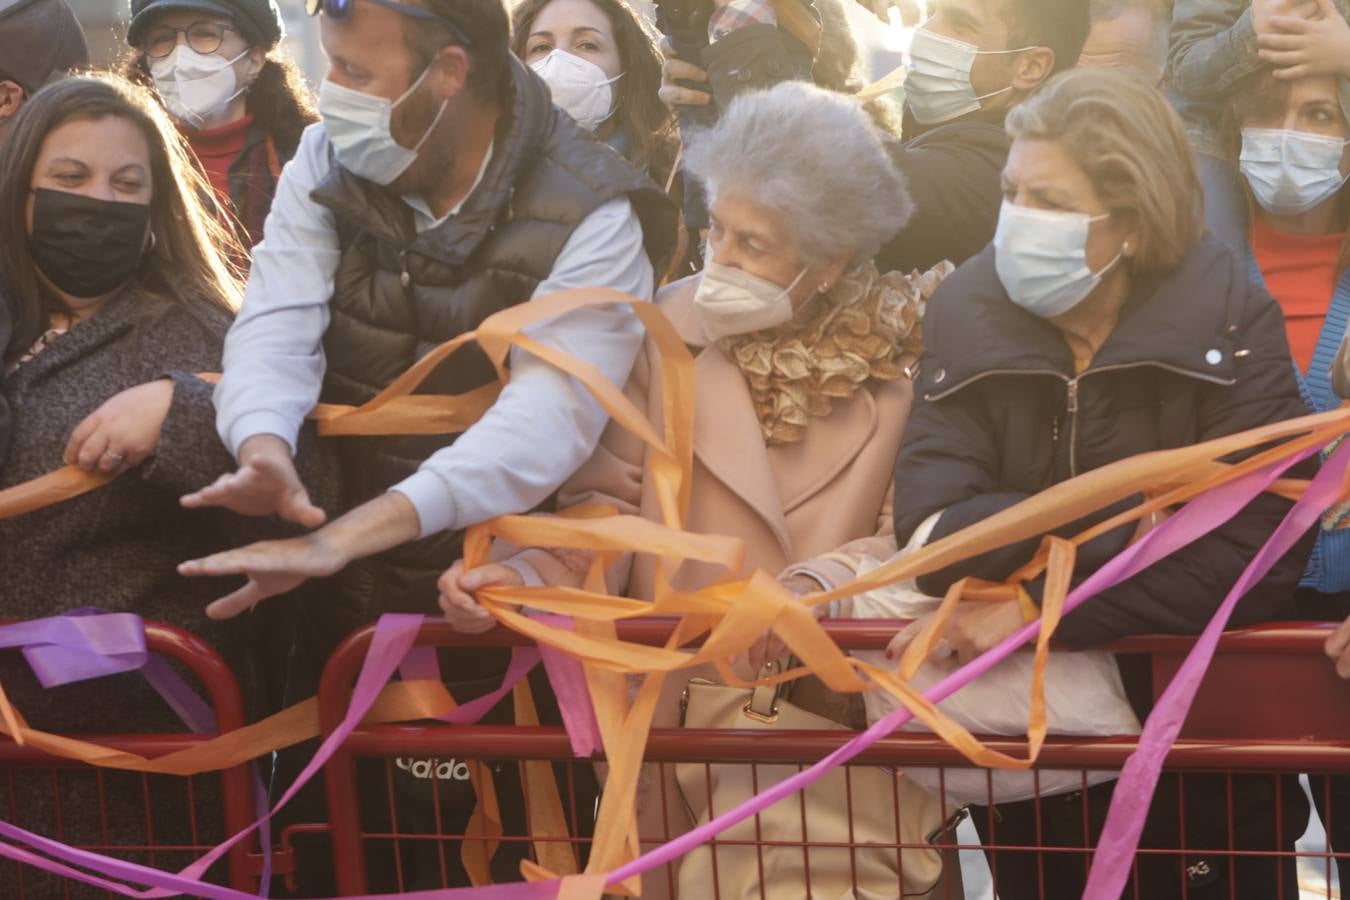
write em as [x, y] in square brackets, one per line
[1071, 405]
[1071, 401]
[1071, 389]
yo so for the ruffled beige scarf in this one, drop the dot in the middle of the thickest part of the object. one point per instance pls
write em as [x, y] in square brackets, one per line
[860, 330]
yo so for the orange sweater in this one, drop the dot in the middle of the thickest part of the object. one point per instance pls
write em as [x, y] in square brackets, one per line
[1300, 273]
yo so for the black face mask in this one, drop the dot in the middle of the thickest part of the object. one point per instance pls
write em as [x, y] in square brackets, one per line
[85, 246]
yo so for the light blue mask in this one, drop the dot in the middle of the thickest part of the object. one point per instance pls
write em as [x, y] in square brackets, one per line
[359, 126]
[1041, 258]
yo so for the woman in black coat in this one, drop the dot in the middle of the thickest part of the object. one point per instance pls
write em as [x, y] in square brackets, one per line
[1099, 325]
[121, 290]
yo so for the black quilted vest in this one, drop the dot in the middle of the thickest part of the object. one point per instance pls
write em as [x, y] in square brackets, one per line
[398, 294]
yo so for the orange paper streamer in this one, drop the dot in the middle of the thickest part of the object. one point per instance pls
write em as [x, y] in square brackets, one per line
[729, 615]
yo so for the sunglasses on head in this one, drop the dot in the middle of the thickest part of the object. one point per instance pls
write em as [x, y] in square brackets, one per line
[341, 10]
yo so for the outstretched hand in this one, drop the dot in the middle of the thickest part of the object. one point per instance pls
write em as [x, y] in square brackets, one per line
[265, 484]
[272, 568]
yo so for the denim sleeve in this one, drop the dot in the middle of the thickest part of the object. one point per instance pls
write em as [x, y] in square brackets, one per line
[1213, 44]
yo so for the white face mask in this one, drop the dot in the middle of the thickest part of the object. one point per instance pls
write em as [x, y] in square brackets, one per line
[196, 88]
[579, 87]
[358, 126]
[938, 87]
[1290, 172]
[1041, 258]
[731, 302]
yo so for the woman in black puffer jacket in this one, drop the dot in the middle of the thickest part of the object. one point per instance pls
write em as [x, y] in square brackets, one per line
[1099, 325]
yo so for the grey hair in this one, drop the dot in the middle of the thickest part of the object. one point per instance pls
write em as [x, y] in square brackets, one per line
[814, 158]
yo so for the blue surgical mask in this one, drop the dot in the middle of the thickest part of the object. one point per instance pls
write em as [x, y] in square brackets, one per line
[359, 126]
[1041, 258]
[1291, 172]
[938, 88]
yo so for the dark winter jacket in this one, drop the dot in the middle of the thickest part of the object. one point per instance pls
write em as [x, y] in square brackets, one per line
[6, 327]
[954, 172]
[118, 548]
[1197, 354]
[398, 294]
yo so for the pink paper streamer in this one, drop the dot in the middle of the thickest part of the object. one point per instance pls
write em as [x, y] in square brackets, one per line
[1112, 861]
[395, 634]
[568, 679]
[1194, 520]
[390, 645]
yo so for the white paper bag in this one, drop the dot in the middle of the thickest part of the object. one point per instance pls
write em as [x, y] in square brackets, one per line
[1083, 696]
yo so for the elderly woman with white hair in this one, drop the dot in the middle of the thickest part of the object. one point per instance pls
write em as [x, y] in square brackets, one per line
[804, 356]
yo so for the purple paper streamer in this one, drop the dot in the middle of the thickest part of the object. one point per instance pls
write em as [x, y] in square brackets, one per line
[395, 634]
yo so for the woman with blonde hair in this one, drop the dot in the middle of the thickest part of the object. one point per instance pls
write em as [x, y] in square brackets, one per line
[121, 289]
[1100, 324]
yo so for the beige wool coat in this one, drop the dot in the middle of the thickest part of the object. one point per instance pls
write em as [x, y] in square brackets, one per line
[789, 503]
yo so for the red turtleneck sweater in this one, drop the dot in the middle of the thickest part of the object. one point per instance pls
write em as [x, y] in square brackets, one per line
[218, 148]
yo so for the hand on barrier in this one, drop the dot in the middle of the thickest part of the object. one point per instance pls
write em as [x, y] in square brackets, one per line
[265, 484]
[1314, 42]
[974, 629]
[458, 588]
[123, 432]
[1338, 648]
[771, 646]
[673, 71]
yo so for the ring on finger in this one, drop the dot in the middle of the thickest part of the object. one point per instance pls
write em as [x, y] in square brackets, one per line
[115, 457]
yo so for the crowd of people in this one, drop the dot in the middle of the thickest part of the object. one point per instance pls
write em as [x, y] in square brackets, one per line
[1083, 230]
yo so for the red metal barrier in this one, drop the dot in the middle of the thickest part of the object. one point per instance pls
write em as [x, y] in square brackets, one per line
[1270, 705]
[159, 795]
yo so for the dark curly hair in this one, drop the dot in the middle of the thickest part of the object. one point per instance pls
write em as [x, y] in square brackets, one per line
[280, 101]
[649, 123]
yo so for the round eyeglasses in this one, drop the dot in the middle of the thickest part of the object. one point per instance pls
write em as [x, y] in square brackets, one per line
[204, 37]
